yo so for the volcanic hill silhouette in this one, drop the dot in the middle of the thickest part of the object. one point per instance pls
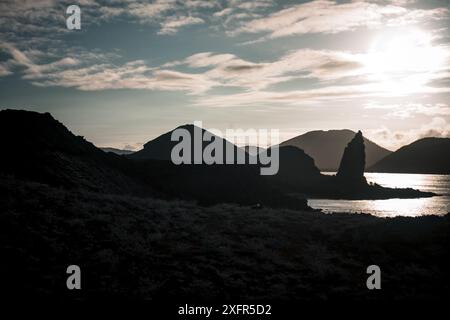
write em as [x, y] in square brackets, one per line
[161, 147]
[427, 155]
[327, 147]
[42, 149]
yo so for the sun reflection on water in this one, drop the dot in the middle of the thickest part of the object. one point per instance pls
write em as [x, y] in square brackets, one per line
[438, 205]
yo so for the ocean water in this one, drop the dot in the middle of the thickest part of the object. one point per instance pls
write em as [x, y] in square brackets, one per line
[439, 205]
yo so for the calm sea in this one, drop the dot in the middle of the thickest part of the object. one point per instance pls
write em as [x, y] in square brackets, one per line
[439, 205]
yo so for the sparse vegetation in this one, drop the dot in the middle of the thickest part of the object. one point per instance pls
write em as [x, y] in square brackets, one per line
[138, 248]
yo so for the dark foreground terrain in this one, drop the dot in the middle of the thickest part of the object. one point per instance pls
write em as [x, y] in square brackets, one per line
[142, 248]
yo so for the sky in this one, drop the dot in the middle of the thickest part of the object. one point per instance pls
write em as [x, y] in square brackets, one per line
[137, 69]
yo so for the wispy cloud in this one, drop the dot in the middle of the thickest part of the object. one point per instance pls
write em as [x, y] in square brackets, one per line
[409, 110]
[292, 97]
[232, 71]
[323, 16]
[4, 71]
[24, 18]
[254, 17]
[394, 139]
[172, 24]
[91, 74]
[148, 11]
[202, 3]
[339, 75]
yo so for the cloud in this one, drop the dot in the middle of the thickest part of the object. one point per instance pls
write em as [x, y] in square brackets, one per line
[236, 12]
[438, 127]
[33, 70]
[207, 59]
[223, 12]
[14, 8]
[201, 3]
[4, 71]
[172, 24]
[327, 93]
[222, 70]
[338, 75]
[133, 147]
[332, 17]
[293, 97]
[132, 75]
[170, 15]
[320, 16]
[91, 74]
[23, 19]
[409, 110]
[108, 13]
[33, 17]
[231, 71]
[394, 139]
[148, 11]
[253, 5]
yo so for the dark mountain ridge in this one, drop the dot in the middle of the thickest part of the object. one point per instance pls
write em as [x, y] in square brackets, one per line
[161, 147]
[427, 155]
[120, 152]
[41, 149]
[297, 173]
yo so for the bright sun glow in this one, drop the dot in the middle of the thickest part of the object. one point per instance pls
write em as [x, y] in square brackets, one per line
[404, 62]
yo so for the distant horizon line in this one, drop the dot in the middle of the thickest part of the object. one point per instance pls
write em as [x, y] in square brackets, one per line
[240, 145]
[250, 145]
